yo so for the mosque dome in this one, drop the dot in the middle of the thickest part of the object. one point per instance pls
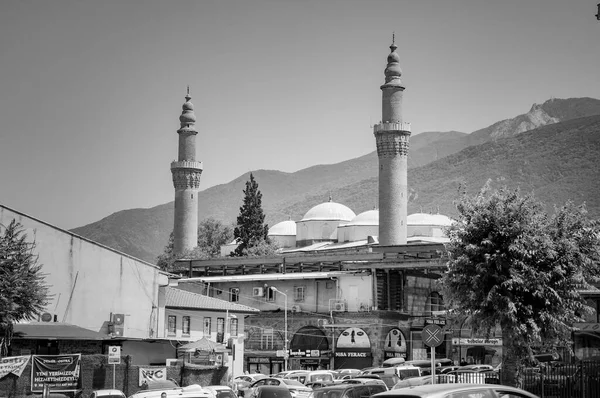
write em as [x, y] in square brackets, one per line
[187, 115]
[369, 217]
[329, 211]
[284, 228]
[428, 219]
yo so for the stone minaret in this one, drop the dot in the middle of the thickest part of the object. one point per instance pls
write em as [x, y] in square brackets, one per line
[392, 136]
[186, 180]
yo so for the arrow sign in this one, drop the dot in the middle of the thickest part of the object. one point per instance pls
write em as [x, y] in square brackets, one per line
[432, 335]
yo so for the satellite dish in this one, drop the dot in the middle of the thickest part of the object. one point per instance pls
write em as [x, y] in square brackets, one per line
[46, 317]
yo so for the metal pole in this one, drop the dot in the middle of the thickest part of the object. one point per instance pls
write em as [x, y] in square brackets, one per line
[114, 371]
[285, 336]
[432, 365]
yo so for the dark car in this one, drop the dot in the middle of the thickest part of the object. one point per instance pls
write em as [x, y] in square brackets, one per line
[456, 391]
[268, 391]
[390, 380]
[349, 390]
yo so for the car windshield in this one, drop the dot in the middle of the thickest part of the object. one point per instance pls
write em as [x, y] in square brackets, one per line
[327, 393]
[291, 382]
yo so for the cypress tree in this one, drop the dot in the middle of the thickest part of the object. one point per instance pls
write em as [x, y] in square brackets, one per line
[251, 230]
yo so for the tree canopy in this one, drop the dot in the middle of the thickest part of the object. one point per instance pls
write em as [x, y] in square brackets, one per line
[23, 293]
[511, 264]
[251, 229]
[212, 234]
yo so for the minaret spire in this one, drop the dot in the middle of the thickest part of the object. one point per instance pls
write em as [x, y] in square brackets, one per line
[392, 138]
[186, 180]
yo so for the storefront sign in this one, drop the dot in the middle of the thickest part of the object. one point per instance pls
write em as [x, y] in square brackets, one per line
[57, 372]
[476, 341]
[258, 360]
[394, 345]
[353, 338]
[305, 353]
[435, 321]
[14, 365]
[392, 354]
[352, 354]
[148, 375]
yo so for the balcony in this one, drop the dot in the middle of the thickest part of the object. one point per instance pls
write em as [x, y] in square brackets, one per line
[186, 164]
[391, 126]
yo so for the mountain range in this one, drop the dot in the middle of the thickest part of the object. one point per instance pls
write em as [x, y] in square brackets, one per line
[552, 150]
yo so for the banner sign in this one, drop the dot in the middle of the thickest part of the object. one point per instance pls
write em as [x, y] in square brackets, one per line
[114, 355]
[352, 354]
[57, 372]
[149, 375]
[476, 341]
[14, 365]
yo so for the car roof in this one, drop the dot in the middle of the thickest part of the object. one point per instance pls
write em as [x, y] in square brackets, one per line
[108, 392]
[432, 389]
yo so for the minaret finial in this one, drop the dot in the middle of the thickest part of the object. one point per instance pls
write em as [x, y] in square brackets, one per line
[393, 37]
[187, 118]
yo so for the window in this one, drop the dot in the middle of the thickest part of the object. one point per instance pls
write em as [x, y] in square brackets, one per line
[172, 324]
[266, 339]
[234, 294]
[207, 329]
[270, 294]
[233, 327]
[220, 329]
[185, 325]
[299, 293]
[434, 303]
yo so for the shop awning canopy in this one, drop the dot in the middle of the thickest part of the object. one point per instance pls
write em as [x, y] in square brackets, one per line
[55, 331]
[203, 344]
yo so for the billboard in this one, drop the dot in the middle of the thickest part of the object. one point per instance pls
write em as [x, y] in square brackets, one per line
[58, 372]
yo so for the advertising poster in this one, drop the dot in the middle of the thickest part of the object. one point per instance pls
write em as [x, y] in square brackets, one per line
[14, 365]
[58, 372]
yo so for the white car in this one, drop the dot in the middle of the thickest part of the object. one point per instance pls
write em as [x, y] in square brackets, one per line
[221, 391]
[107, 394]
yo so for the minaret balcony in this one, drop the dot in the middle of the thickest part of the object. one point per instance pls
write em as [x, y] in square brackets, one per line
[391, 126]
[186, 164]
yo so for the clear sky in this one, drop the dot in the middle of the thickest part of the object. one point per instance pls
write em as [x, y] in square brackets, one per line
[91, 90]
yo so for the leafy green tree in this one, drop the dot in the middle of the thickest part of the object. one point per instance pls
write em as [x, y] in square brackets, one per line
[212, 234]
[23, 293]
[251, 229]
[512, 265]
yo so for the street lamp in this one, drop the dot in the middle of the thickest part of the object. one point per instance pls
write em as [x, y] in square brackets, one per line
[285, 327]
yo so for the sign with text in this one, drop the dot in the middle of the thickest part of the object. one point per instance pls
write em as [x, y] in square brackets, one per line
[57, 372]
[476, 341]
[587, 326]
[114, 355]
[14, 365]
[149, 375]
[352, 354]
[435, 321]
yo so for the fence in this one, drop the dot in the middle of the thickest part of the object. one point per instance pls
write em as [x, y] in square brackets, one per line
[581, 380]
[97, 374]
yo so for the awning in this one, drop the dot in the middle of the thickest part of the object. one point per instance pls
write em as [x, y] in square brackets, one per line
[55, 331]
[203, 344]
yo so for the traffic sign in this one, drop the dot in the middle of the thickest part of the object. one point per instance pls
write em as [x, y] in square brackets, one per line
[432, 335]
[114, 355]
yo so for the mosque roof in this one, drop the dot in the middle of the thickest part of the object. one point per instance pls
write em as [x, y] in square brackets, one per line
[329, 211]
[283, 228]
[369, 217]
[428, 219]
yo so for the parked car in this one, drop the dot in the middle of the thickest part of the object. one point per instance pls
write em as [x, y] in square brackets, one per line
[340, 373]
[221, 391]
[456, 391]
[107, 394]
[390, 380]
[308, 376]
[191, 391]
[402, 371]
[421, 381]
[297, 389]
[365, 380]
[349, 390]
[268, 391]
[242, 382]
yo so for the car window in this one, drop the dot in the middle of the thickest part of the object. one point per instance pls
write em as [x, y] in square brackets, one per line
[374, 389]
[291, 382]
[483, 393]
[259, 383]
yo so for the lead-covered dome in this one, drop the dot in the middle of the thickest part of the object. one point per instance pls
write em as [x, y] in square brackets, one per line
[428, 219]
[369, 217]
[284, 228]
[329, 211]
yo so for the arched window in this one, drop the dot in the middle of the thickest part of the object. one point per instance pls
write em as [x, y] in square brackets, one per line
[435, 302]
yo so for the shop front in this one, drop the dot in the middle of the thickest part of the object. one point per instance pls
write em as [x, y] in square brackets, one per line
[309, 349]
[353, 349]
[586, 340]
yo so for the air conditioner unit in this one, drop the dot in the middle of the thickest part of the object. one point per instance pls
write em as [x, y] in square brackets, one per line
[339, 306]
[117, 319]
[296, 308]
[258, 292]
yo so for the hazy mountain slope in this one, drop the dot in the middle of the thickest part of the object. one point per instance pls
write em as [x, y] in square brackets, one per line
[144, 232]
[558, 162]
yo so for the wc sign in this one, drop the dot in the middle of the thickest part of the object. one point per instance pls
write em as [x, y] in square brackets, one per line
[149, 375]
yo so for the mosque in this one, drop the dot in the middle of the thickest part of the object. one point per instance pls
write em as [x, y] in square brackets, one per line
[347, 290]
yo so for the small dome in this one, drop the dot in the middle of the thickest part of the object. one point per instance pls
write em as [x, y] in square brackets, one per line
[369, 217]
[428, 219]
[393, 70]
[187, 115]
[329, 211]
[283, 228]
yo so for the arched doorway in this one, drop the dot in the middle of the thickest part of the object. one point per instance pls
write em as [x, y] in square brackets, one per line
[309, 349]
